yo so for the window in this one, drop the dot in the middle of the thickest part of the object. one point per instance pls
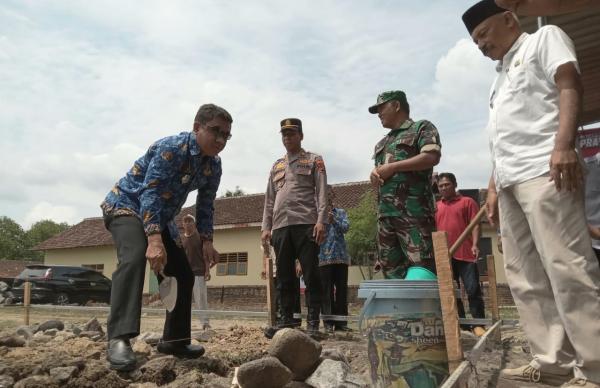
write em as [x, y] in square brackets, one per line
[95, 267]
[233, 264]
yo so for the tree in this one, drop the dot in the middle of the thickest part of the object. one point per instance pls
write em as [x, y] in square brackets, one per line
[236, 193]
[12, 240]
[362, 236]
[42, 231]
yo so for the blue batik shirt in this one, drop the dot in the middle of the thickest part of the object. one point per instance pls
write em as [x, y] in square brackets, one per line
[333, 250]
[159, 182]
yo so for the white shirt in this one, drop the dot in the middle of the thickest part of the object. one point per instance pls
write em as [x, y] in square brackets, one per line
[524, 105]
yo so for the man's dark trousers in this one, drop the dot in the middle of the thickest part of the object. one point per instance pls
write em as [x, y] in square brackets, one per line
[291, 242]
[128, 282]
[469, 273]
[334, 280]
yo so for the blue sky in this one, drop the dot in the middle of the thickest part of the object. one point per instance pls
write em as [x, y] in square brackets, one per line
[88, 86]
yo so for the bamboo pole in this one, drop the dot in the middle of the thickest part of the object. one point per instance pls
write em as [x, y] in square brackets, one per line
[467, 231]
[26, 301]
[493, 292]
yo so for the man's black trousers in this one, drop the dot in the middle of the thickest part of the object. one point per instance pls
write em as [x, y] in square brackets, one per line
[334, 280]
[469, 273]
[291, 243]
[128, 281]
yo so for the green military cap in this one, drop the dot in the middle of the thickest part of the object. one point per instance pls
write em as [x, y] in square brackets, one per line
[392, 95]
[291, 123]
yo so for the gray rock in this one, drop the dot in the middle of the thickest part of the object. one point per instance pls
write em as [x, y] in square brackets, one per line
[3, 286]
[51, 332]
[36, 382]
[191, 379]
[213, 380]
[158, 370]
[2, 298]
[3, 368]
[12, 341]
[76, 330]
[333, 374]
[25, 332]
[267, 372]
[141, 347]
[297, 351]
[93, 335]
[149, 337]
[203, 336]
[63, 374]
[6, 381]
[334, 354]
[52, 324]
[93, 325]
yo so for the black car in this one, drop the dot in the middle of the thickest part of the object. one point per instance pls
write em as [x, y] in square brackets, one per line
[62, 285]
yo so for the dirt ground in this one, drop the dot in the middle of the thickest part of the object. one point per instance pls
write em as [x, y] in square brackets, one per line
[234, 341]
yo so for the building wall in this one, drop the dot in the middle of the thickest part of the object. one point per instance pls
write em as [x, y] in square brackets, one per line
[245, 240]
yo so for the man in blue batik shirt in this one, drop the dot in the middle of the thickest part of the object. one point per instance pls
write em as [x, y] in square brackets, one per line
[139, 212]
[333, 266]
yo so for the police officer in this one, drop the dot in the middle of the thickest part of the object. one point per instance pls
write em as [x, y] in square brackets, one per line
[404, 161]
[293, 221]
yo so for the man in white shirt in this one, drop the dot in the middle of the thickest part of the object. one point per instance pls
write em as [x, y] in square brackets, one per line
[537, 184]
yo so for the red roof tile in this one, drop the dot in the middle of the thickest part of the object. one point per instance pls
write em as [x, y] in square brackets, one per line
[240, 210]
[11, 268]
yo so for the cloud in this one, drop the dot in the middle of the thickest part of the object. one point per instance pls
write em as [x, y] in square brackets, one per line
[47, 211]
[86, 88]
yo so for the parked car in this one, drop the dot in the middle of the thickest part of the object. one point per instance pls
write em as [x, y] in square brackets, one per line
[62, 285]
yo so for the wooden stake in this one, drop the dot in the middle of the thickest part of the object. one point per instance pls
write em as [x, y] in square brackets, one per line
[447, 300]
[493, 291]
[27, 301]
[271, 298]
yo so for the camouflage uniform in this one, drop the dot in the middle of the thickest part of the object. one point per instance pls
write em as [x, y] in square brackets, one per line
[406, 205]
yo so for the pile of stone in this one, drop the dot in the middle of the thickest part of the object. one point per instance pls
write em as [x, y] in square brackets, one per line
[296, 360]
[51, 355]
[6, 296]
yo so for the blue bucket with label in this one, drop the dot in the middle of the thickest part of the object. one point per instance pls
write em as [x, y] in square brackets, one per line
[402, 320]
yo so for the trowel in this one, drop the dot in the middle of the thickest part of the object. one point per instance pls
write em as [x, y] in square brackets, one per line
[167, 289]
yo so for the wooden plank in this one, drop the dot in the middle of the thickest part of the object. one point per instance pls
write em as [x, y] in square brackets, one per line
[26, 301]
[493, 287]
[271, 297]
[447, 300]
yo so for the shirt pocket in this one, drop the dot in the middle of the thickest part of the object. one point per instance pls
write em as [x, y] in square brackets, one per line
[518, 78]
[279, 179]
[405, 146]
[304, 174]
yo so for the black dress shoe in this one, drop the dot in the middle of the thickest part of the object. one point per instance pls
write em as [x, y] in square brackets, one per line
[120, 355]
[180, 350]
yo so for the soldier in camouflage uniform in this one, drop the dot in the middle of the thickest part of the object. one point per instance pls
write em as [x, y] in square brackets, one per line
[404, 161]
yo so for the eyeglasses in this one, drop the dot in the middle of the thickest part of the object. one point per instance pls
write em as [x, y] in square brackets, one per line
[216, 131]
